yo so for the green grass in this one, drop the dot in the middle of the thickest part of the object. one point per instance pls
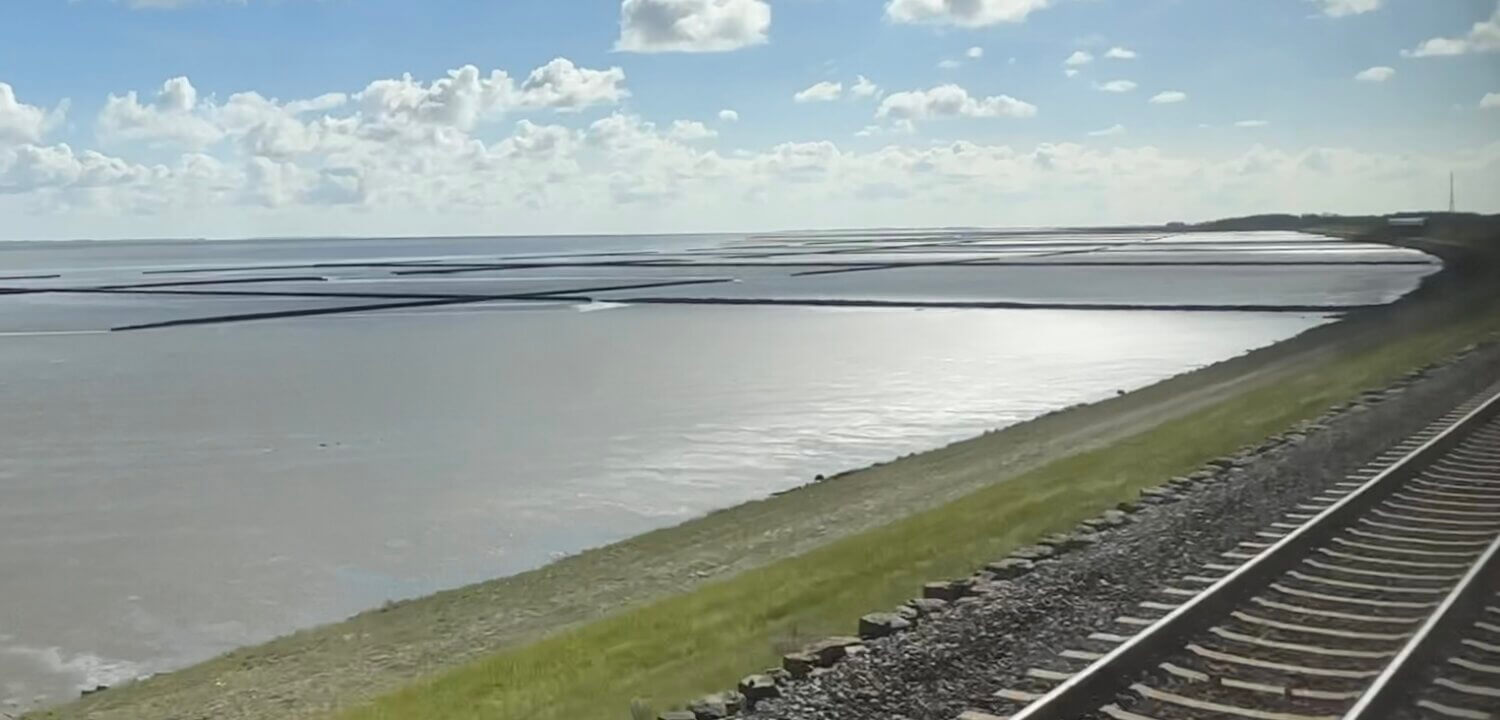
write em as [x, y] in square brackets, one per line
[704, 640]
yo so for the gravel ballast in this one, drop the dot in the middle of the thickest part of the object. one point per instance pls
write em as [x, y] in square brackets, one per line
[957, 657]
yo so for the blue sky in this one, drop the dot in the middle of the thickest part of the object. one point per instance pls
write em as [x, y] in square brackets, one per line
[1271, 115]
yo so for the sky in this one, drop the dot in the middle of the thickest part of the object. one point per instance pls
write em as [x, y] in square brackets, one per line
[252, 118]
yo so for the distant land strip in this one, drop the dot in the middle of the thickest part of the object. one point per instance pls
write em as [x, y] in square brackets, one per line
[298, 266]
[985, 262]
[857, 248]
[304, 312]
[418, 301]
[430, 301]
[1080, 250]
[226, 281]
[877, 234]
[439, 267]
[861, 268]
[310, 294]
[824, 268]
[373, 263]
[979, 262]
[986, 304]
[1208, 263]
[896, 266]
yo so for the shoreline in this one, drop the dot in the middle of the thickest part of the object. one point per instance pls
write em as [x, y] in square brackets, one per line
[319, 670]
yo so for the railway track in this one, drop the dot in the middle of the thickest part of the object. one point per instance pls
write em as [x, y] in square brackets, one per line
[1375, 599]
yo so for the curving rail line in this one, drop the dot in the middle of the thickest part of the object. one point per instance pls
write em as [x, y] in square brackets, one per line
[1377, 599]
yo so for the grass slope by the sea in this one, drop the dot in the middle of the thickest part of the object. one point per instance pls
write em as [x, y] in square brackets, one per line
[703, 640]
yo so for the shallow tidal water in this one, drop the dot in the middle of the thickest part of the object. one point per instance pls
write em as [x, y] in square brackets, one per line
[169, 494]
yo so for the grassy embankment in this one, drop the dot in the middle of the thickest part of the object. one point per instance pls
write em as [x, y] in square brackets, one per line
[704, 640]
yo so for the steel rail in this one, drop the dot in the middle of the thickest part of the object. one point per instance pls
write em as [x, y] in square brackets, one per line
[1095, 686]
[1399, 678]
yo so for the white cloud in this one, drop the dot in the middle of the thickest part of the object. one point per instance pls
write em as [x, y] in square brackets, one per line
[1438, 47]
[973, 53]
[321, 103]
[342, 148]
[563, 86]
[1484, 36]
[1377, 74]
[963, 13]
[728, 116]
[1110, 131]
[465, 97]
[177, 95]
[1071, 72]
[950, 101]
[692, 25]
[619, 132]
[29, 168]
[1251, 123]
[824, 91]
[1167, 97]
[168, 119]
[1078, 58]
[1490, 101]
[863, 88]
[691, 131]
[459, 100]
[623, 172]
[803, 162]
[1116, 86]
[535, 142]
[265, 127]
[1342, 8]
[1119, 53]
[274, 184]
[629, 162]
[900, 127]
[431, 157]
[22, 123]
